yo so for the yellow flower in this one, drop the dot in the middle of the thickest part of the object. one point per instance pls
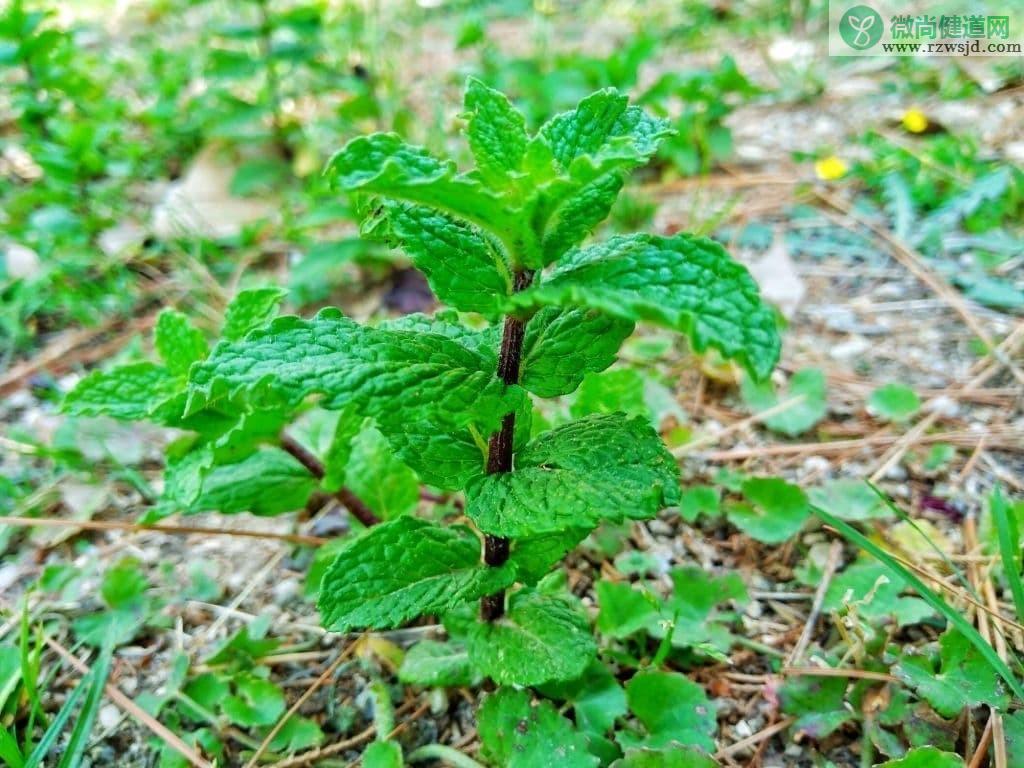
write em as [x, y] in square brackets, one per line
[914, 120]
[830, 168]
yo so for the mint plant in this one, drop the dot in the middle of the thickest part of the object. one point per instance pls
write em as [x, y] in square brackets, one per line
[453, 397]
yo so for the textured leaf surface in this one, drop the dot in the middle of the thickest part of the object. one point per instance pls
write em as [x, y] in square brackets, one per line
[133, 392]
[516, 733]
[266, 482]
[382, 164]
[686, 283]
[431, 663]
[402, 569]
[597, 468]
[394, 376]
[177, 342]
[447, 460]
[496, 132]
[249, 310]
[561, 346]
[540, 638]
[465, 269]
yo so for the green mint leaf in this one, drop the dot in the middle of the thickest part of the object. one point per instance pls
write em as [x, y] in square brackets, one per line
[671, 708]
[516, 733]
[465, 270]
[592, 147]
[135, 392]
[267, 482]
[621, 389]
[799, 417]
[402, 569]
[776, 510]
[377, 476]
[249, 310]
[963, 677]
[671, 757]
[496, 132]
[533, 556]
[431, 663]
[339, 450]
[177, 342]
[393, 376]
[541, 638]
[560, 346]
[447, 460]
[686, 283]
[483, 341]
[382, 164]
[597, 468]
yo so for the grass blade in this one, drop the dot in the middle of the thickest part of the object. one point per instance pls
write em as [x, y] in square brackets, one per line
[49, 738]
[927, 594]
[9, 751]
[75, 748]
[1009, 546]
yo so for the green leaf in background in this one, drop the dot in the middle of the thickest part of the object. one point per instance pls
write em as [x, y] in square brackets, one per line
[625, 610]
[686, 283]
[699, 500]
[671, 757]
[818, 704]
[1013, 726]
[617, 390]
[516, 733]
[865, 578]
[296, 735]
[178, 343]
[808, 384]
[894, 402]
[671, 708]
[433, 663]
[938, 457]
[250, 309]
[563, 345]
[255, 701]
[377, 477]
[926, 757]
[266, 482]
[596, 697]
[774, 511]
[402, 569]
[540, 638]
[850, 500]
[383, 754]
[575, 476]
[963, 677]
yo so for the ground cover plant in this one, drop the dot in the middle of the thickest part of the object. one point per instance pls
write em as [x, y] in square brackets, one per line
[356, 414]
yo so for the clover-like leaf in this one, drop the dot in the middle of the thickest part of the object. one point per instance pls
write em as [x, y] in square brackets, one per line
[807, 384]
[597, 698]
[402, 569]
[963, 678]
[671, 708]
[878, 594]
[597, 468]
[686, 283]
[676, 756]
[774, 511]
[894, 402]
[926, 757]
[518, 733]
[818, 703]
[540, 638]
